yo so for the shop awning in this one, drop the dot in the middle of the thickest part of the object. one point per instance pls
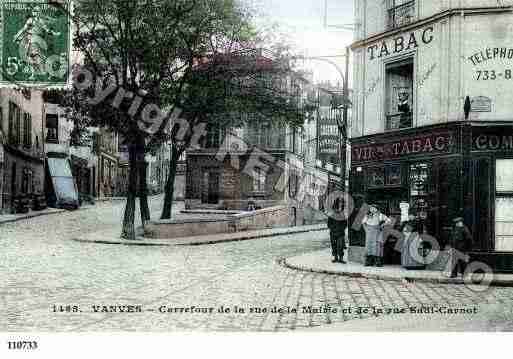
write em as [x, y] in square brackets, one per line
[63, 182]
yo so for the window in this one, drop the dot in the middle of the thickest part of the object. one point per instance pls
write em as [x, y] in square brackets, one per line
[376, 177]
[27, 181]
[504, 205]
[213, 134]
[421, 183]
[258, 180]
[52, 129]
[27, 130]
[18, 126]
[399, 13]
[14, 124]
[399, 94]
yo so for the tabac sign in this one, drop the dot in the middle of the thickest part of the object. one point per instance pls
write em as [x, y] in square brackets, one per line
[427, 144]
[34, 40]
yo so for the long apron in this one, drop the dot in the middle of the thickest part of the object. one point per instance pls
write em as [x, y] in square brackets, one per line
[373, 240]
[411, 245]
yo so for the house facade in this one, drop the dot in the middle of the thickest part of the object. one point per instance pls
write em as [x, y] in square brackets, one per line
[257, 165]
[22, 155]
[432, 128]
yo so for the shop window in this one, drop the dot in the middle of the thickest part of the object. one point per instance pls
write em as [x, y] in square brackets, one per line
[420, 188]
[393, 175]
[504, 205]
[27, 130]
[399, 94]
[376, 177]
[399, 13]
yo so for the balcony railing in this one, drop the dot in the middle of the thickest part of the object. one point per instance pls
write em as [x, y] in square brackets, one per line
[401, 15]
[397, 121]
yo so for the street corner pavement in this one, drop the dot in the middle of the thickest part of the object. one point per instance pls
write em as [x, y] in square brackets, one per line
[320, 262]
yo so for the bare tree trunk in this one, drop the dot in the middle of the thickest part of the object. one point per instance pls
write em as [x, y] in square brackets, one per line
[143, 193]
[128, 230]
[170, 184]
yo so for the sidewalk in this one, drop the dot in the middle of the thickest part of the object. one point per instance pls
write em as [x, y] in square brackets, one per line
[9, 218]
[112, 237]
[320, 262]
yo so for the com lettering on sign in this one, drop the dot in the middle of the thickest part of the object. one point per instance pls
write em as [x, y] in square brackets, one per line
[35, 42]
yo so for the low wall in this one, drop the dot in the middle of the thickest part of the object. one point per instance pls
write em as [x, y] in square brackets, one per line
[273, 217]
[185, 228]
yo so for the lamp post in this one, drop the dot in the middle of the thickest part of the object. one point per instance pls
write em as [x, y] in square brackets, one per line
[341, 122]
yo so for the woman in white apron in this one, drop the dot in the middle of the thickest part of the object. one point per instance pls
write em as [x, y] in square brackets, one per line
[373, 224]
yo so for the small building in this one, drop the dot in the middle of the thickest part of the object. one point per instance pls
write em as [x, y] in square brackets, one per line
[255, 165]
[60, 184]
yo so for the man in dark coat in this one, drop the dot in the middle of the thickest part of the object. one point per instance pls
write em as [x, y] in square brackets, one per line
[461, 241]
[337, 224]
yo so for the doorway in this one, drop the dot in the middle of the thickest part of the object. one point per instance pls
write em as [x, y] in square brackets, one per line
[210, 193]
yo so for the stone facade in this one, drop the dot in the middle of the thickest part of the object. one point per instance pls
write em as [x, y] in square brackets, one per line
[432, 122]
[23, 157]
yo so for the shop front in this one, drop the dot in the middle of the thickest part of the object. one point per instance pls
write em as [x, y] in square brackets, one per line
[438, 173]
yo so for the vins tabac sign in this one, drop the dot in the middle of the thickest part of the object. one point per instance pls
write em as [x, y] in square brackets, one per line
[427, 144]
[34, 39]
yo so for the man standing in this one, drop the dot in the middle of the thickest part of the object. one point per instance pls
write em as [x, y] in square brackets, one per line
[461, 241]
[337, 224]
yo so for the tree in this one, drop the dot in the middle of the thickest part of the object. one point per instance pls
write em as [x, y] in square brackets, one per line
[140, 53]
[226, 85]
[143, 56]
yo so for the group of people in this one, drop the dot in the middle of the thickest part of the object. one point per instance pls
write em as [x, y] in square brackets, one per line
[411, 246]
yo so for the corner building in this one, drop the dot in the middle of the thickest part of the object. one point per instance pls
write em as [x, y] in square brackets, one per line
[433, 120]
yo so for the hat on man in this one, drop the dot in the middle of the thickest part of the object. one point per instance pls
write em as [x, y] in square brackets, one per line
[458, 219]
[374, 205]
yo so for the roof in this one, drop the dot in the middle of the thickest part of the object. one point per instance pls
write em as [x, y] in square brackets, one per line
[244, 59]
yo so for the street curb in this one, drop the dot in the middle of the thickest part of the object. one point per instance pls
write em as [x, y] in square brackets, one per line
[34, 215]
[253, 236]
[183, 240]
[29, 216]
[390, 278]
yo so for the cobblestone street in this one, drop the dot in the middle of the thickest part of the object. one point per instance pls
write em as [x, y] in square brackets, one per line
[42, 267]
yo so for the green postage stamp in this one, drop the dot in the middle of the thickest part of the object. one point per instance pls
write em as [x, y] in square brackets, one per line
[35, 40]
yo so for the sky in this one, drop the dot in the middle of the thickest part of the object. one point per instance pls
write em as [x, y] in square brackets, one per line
[303, 22]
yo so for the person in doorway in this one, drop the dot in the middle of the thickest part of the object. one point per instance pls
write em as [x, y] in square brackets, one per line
[461, 241]
[337, 224]
[411, 248]
[373, 225]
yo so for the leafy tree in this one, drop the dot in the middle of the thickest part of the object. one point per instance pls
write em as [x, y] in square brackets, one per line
[167, 54]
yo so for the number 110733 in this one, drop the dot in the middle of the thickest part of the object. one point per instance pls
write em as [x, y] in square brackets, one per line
[21, 345]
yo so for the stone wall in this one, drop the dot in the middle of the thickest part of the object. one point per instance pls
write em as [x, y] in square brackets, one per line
[274, 217]
[185, 228]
